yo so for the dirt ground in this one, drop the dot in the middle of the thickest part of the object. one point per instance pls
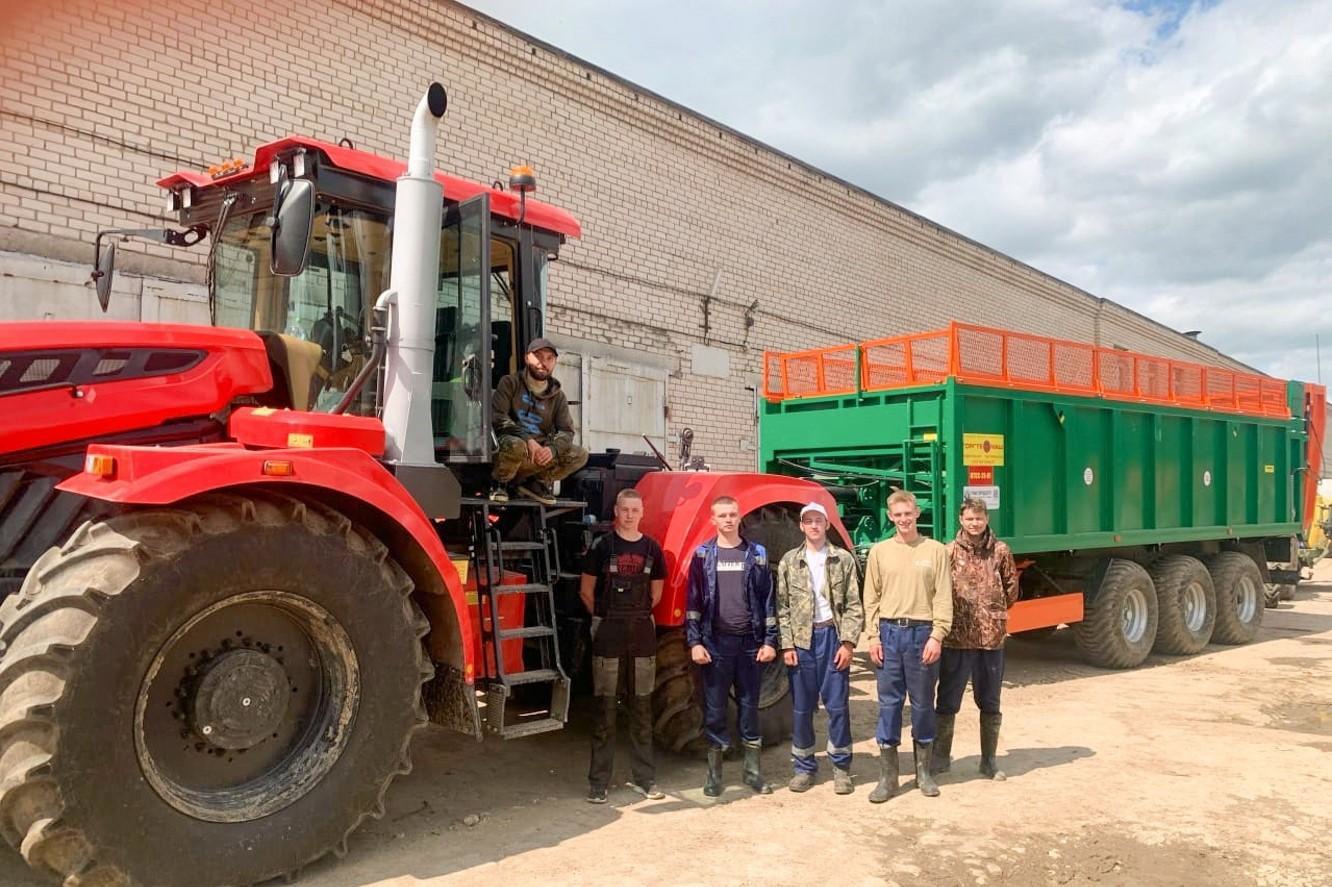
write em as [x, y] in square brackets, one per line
[1214, 769]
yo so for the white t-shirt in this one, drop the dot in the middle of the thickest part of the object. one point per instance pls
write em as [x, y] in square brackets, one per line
[817, 561]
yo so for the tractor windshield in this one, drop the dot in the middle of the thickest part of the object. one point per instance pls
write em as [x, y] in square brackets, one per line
[327, 304]
[324, 313]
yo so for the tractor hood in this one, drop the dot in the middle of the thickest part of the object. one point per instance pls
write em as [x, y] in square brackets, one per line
[62, 382]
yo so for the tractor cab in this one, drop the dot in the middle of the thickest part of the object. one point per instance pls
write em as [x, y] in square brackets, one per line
[306, 277]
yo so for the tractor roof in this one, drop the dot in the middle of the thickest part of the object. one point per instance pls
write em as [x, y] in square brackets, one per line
[502, 203]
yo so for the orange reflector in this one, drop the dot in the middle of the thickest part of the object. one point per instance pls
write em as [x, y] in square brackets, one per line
[278, 468]
[101, 466]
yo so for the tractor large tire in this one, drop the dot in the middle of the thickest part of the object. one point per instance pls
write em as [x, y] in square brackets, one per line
[677, 699]
[212, 693]
[1186, 604]
[1239, 597]
[777, 529]
[1118, 624]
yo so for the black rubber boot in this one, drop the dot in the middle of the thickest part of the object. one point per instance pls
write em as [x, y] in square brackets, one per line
[712, 787]
[887, 786]
[753, 774]
[941, 759]
[989, 730]
[924, 781]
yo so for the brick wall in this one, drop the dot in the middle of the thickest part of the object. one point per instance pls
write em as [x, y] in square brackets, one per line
[99, 98]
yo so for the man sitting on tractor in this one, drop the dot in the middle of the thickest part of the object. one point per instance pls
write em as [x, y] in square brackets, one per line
[533, 428]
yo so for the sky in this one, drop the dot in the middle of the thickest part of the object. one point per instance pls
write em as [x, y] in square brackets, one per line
[1172, 155]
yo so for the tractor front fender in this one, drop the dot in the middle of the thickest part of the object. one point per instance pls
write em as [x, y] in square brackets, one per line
[677, 513]
[347, 479]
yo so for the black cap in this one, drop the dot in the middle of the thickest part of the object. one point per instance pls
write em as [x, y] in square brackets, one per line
[538, 343]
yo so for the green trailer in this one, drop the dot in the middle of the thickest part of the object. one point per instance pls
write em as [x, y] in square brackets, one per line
[1149, 502]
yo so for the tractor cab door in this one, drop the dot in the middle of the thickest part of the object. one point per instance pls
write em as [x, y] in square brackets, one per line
[460, 397]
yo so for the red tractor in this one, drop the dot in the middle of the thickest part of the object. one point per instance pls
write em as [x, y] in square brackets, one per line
[242, 563]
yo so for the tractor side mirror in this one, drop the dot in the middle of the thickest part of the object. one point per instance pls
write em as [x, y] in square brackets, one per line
[106, 264]
[292, 222]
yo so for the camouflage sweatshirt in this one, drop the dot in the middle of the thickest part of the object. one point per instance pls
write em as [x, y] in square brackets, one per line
[985, 585]
[519, 412]
[795, 598]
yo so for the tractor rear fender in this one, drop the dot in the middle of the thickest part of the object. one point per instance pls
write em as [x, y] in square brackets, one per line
[349, 480]
[676, 512]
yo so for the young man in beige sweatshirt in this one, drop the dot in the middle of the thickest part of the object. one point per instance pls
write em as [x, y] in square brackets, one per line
[908, 611]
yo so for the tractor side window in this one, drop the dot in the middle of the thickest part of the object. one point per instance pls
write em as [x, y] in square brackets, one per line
[502, 333]
[460, 396]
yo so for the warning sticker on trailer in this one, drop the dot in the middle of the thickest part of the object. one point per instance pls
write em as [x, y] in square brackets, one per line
[987, 494]
[980, 475]
[982, 449]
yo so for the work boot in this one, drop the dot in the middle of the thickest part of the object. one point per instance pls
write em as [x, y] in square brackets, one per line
[887, 786]
[753, 776]
[941, 760]
[924, 781]
[989, 729]
[499, 493]
[801, 781]
[842, 781]
[712, 787]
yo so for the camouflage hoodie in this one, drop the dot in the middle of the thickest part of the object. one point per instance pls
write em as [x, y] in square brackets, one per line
[519, 412]
[985, 585]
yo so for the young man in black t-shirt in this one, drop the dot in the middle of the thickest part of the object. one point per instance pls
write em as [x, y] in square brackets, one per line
[623, 576]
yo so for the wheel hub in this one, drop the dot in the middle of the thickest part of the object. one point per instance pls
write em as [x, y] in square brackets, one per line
[240, 700]
[1133, 616]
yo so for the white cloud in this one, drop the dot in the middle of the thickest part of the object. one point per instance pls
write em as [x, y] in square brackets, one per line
[1171, 156]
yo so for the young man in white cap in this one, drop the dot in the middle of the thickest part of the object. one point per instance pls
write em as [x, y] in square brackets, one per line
[820, 617]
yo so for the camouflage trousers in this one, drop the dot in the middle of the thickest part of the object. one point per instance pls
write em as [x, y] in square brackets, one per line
[512, 462]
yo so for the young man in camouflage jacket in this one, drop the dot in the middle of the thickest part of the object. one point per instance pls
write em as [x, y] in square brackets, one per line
[819, 617]
[985, 585]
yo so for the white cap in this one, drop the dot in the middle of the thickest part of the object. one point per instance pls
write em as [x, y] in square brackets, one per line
[816, 508]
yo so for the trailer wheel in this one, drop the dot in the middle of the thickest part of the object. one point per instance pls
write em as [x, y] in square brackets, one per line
[215, 693]
[1118, 626]
[1239, 597]
[1186, 604]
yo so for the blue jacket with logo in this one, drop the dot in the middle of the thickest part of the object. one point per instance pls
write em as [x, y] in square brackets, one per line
[701, 603]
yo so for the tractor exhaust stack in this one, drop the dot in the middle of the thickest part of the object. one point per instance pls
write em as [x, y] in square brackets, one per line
[409, 366]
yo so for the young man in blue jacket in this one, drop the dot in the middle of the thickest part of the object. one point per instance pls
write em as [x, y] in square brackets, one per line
[731, 630]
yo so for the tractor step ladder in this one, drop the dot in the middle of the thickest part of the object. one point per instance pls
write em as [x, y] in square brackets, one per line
[528, 546]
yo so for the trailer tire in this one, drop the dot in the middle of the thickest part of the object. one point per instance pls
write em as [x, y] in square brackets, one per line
[1239, 597]
[1185, 603]
[1118, 625]
[113, 771]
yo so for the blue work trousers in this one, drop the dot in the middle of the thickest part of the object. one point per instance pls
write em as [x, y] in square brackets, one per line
[733, 666]
[901, 677]
[985, 668]
[812, 677]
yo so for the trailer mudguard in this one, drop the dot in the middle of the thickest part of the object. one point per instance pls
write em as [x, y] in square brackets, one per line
[162, 476]
[676, 512]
